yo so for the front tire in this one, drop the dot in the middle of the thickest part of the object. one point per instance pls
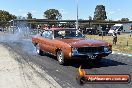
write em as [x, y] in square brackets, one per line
[38, 50]
[60, 57]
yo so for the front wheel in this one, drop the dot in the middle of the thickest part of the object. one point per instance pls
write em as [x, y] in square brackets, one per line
[60, 57]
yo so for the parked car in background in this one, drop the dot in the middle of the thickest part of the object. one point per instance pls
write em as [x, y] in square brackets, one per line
[67, 43]
[117, 28]
[90, 31]
[103, 30]
[126, 28]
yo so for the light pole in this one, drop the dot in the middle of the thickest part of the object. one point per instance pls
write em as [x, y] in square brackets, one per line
[77, 16]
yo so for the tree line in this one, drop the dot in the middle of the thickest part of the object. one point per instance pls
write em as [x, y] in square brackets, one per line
[54, 14]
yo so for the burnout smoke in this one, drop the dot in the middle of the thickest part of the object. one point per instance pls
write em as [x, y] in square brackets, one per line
[19, 34]
[15, 33]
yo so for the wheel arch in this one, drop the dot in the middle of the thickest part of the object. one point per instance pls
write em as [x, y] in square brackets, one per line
[35, 44]
[58, 49]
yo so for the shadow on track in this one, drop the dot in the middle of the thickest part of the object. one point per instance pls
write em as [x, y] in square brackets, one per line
[105, 62]
[89, 64]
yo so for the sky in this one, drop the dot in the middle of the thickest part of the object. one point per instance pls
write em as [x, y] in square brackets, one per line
[115, 9]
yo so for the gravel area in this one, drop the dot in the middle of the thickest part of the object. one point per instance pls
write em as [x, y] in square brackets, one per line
[14, 74]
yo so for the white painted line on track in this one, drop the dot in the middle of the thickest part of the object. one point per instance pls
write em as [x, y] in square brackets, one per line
[124, 54]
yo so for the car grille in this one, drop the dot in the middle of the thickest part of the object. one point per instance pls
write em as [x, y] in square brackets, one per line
[91, 49]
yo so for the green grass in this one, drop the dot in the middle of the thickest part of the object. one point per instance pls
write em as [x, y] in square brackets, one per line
[124, 42]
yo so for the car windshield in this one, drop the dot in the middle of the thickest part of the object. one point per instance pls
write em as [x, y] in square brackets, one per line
[68, 33]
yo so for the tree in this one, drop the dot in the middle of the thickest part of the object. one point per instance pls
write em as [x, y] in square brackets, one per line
[29, 15]
[52, 14]
[124, 19]
[100, 13]
[90, 18]
[20, 18]
[6, 16]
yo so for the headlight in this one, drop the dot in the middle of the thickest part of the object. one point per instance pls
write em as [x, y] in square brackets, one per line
[106, 48]
[74, 51]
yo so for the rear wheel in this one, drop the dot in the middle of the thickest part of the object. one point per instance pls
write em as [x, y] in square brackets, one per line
[38, 50]
[60, 57]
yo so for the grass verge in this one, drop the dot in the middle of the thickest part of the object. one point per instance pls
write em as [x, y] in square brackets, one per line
[124, 42]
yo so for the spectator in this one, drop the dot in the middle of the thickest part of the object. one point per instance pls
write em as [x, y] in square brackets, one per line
[114, 37]
[130, 30]
[39, 27]
[53, 26]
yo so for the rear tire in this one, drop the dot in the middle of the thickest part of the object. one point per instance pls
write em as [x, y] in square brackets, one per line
[60, 57]
[38, 50]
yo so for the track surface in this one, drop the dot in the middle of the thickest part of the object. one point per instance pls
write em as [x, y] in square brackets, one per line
[66, 75]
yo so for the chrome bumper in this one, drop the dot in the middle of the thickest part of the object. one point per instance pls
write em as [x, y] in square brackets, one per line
[91, 55]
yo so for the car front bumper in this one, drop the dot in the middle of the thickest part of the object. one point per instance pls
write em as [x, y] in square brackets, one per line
[91, 55]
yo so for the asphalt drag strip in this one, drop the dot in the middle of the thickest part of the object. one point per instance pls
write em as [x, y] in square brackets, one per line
[65, 76]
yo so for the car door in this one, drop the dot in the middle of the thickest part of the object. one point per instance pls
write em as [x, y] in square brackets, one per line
[47, 43]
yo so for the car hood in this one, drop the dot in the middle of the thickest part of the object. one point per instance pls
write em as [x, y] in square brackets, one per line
[80, 42]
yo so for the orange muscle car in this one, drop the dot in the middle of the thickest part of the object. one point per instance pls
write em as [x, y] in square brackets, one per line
[68, 43]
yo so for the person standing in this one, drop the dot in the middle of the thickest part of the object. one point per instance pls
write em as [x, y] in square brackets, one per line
[114, 37]
[130, 30]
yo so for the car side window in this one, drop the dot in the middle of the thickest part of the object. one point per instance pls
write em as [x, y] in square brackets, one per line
[47, 34]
